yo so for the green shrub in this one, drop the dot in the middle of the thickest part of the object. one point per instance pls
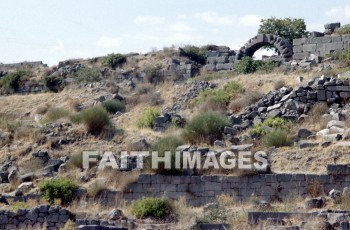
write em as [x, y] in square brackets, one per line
[345, 29]
[55, 114]
[10, 82]
[222, 96]
[277, 138]
[113, 60]
[197, 54]
[76, 118]
[147, 118]
[58, 188]
[87, 75]
[205, 127]
[245, 65]
[151, 207]
[54, 83]
[113, 106]
[95, 119]
[167, 143]
[275, 123]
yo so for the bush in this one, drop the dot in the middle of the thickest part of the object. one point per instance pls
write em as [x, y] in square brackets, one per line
[54, 83]
[197, 54]
[147, 118]
[151, 207]
[153, 74]
[87, 75]
[113, 106]
[277, 138]
[10, 82]
[113, 60]
[59, 188]
[95, 119]
[55, 114]
[275, 123]
[221, 96]
[245, 66]
[19, 205]
[205, 127]
[345, 29]
[168, 143]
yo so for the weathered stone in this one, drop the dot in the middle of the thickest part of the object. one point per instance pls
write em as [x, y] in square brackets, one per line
[318, 202]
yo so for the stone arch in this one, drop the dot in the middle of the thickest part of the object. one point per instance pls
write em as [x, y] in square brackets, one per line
[284, 48]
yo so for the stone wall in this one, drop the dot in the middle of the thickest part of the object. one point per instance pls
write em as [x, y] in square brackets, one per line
[40, 217]
[200, 190]
[320, 46]
[6, 67]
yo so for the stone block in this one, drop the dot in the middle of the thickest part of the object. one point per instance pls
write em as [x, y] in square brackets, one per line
[336, 38]
[309, 47]
[299, 41]
[321, 95]
[300, 56]
[297, 49]
[226, 66]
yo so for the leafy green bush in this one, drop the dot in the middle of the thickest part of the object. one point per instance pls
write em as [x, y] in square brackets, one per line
[147, 118]
[345, 29]
[222, 96]
[275, 123]
[87, 75]
[113, 106]
[95, 119]
[113, 60]
[151, 207]
[10, 82]
[58, 188]
[167, 143]
[197, 54]
[54, 114]
[54, 83]
[276, 137]
[246, 65]
[205, 127]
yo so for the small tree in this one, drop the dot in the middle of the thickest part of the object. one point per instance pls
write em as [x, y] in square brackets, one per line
[288, 28]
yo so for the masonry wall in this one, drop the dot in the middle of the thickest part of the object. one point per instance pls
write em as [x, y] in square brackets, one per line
[321, 46]
[200, 190]
[6, 67]
[40, 217]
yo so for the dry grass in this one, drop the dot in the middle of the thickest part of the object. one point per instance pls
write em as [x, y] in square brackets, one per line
[315, 121]
[248, 98]
[118, 180]
[279, 84]
[186, 215]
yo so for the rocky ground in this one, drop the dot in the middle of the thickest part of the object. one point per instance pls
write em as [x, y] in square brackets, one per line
[35, 148]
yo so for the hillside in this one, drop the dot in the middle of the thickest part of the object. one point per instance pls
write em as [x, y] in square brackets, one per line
[171, 100]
